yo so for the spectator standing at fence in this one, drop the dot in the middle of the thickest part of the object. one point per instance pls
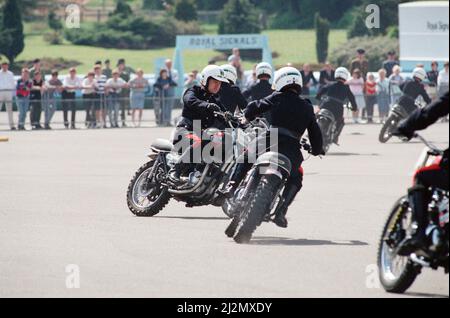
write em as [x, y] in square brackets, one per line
[52, 87]
[107, 71]
[23, 91]
[114, 88]
[90, 99]
[100, 104]
[71, 84]
[395, 81]
[138, 87]
[36, 101]
[356, 84]
[390, 63]
[308, 80]
[7, 90]
[383, 99]
[360, 63]
[163, 86]
[371, 96]
[37, 68]
[125, 74]
[326, 75]
[443, 80]
[236, 61]
[190, 82]
[174, 76]
[433, 74]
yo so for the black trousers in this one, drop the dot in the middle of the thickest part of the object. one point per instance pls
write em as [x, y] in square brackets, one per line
[69, 104]
[36, 111]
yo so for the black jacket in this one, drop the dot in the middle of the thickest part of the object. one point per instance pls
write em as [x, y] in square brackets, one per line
[231, 97]
[336, 94]
[289, 111]
[196, 101]
[325, 77]
[306, 80]
[422, 118]
[258, 91]
[411, 90]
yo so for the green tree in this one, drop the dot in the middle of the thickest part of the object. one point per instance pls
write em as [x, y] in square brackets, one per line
[122, 9]
[12, 30]
[239, 17]
[54, 22]
[322, 33]
[185, 10]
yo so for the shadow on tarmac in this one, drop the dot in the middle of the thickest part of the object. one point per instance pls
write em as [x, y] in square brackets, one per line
[271, 241]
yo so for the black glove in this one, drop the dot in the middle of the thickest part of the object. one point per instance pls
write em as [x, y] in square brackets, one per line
[399, 132]
[213, 108]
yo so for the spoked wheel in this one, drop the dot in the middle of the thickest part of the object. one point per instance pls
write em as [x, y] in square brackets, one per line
[397, 273]
[388, 128]
[146, 196]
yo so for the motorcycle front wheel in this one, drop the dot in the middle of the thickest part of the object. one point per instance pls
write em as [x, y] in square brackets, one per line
[388, 128]
[146, 196]
[397, 273]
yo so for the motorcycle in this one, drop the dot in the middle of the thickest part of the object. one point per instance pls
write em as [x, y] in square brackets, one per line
[151, 188]
[327, 123]
[259, 194]
[397, 273]
[396, 115]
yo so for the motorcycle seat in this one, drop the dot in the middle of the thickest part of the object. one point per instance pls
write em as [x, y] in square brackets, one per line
[162, 145]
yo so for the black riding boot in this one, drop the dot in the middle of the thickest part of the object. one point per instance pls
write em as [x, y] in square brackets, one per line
[238, 174]
[418, 198]
[289, 194]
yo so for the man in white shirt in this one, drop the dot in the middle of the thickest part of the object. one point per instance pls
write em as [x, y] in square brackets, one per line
[71, 84]
[7, 90]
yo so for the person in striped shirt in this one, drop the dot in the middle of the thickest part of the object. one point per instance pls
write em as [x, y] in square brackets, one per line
[100, 107]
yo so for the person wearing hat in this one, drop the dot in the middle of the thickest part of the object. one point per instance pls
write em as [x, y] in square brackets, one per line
[71, 84]
[125, 74]
[107, 71]
[7, 89]
[389, 64]
[360, 63]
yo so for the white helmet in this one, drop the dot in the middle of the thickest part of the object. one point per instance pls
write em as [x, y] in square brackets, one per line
[230, 73]
[287, 76]
[420, 73]
[212, 71]
[264, 69]
[342, 73]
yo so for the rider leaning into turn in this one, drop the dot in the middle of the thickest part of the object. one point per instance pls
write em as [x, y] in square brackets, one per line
[335, 96]
[291, 117]
[230, 95]
[199, 104]
[412, 89]
[434, 176]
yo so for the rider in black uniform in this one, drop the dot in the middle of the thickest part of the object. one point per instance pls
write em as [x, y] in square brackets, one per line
[230, 95]
[335, 96]
[412, 89]
[200, 103]
[291, 116]
[434, 176]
